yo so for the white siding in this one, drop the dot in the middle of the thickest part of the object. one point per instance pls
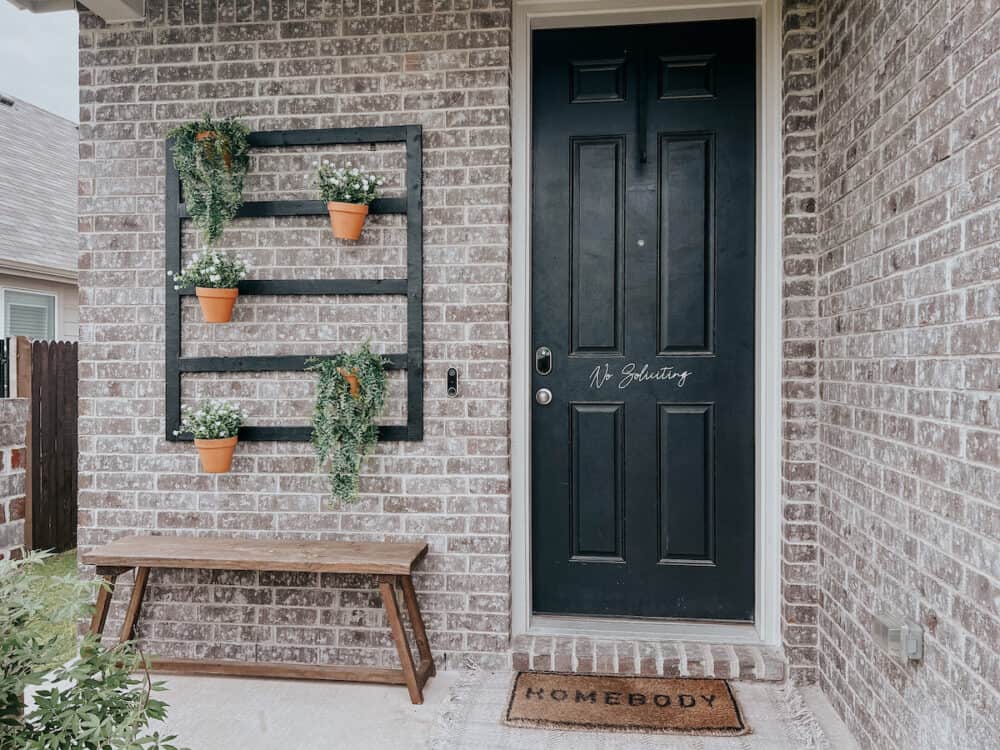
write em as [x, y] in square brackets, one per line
[38, 187]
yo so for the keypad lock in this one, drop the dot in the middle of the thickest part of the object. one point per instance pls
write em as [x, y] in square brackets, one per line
[543, 360]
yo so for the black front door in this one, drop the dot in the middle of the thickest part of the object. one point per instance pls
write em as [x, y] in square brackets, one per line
[643, 321]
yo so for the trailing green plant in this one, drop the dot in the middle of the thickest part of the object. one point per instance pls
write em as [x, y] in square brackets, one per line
[94, 702]
[346, 184]
[344, 428]
[212, 420]
[211, 157]
[212, 269]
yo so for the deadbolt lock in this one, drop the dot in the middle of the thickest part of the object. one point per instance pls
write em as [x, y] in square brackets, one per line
[543, 360]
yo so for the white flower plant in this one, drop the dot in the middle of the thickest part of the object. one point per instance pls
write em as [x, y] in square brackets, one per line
[211, 269]
[347, 184]
[212, 420]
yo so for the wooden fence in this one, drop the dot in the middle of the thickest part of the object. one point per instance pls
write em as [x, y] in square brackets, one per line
[5, 347]
[47, 374]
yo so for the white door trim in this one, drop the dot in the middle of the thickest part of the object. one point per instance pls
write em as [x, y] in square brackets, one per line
[534, 14]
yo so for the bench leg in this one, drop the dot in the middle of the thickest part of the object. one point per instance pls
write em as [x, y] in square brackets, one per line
[417, 621]
[104, 594]
[388, 589]
[134, 605]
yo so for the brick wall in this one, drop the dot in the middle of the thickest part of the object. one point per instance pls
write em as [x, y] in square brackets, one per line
[13, 421]
[302, 65]
[909, 365]
[799, 590]
[283, 66]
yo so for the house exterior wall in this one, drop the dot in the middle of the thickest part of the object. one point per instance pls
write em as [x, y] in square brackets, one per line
[303, 65]
[889, 323]
[356, 64]
[909, 338]
[67, 302]
[13, 423]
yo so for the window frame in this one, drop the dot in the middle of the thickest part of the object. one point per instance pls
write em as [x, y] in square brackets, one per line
[21, 290]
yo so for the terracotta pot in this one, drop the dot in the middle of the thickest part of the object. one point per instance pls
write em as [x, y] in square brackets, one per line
[347, 219]
[352, 380]
[216, 455]
[207, 136]
[216, 304]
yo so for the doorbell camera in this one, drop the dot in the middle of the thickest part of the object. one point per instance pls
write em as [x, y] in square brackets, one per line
[452, 382]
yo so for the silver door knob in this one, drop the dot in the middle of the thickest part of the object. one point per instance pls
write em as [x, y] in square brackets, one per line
[543, 396]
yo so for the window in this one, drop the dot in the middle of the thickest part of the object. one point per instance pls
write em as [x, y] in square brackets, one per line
[29, 314]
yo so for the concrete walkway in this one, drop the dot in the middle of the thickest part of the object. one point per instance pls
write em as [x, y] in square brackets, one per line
[461, 712]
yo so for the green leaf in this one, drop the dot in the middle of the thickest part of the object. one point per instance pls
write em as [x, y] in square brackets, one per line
[211, 158]
[344, 426]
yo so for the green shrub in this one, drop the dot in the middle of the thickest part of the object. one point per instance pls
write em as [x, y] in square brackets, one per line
[102, 705]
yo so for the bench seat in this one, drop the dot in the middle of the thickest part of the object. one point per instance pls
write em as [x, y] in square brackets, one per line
[286, 555]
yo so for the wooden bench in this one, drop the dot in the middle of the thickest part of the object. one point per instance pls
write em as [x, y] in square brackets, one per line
[390, 563]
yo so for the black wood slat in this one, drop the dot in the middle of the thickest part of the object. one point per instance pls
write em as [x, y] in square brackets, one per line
[302, 434]
[281, 363]
[257, 209]
[415, 283]
[328, 136]
[318, 286]
[172, 311]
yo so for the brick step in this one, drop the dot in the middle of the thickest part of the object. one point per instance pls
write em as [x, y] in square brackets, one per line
[652, 658]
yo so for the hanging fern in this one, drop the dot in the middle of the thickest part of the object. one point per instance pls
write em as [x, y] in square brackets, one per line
[211, 157]
[344, 429]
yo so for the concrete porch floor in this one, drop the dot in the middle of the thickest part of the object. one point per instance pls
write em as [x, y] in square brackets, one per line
[462, 711]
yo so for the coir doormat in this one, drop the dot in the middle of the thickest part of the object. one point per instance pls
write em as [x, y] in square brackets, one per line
[624, 704]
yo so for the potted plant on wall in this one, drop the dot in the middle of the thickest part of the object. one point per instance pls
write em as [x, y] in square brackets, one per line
[211, 157]
[348, 191]
[350, 395]
[215, 277]
[215, 425]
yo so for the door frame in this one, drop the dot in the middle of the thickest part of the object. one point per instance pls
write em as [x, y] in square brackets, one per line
[529, 15]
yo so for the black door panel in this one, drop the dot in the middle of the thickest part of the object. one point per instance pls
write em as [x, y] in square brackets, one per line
[643, 290]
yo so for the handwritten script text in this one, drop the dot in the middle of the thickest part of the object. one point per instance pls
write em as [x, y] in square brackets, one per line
[632, 373]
